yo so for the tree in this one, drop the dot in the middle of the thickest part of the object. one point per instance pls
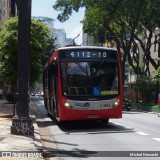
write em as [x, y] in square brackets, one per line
[40, 41]
[51, 41]
[122, 18]
[145, 87]
[157, 75]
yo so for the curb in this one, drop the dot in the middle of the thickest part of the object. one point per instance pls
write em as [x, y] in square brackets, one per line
[145, 111]
[37, 138]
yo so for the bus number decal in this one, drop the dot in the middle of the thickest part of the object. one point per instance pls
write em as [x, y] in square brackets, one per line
[104, 54]
[88, 54]
[72, 54]
[106, 105]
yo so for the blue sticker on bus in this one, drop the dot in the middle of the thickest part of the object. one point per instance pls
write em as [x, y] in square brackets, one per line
[96, 91]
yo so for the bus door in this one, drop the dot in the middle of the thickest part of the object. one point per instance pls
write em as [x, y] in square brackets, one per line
[45, 89]
[53, 91]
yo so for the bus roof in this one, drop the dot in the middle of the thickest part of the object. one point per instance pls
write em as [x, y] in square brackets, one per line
[85, 47]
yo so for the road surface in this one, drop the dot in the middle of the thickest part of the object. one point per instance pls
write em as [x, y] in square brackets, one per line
[138, 133]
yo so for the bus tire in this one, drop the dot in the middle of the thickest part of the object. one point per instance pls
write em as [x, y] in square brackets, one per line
[104, 121]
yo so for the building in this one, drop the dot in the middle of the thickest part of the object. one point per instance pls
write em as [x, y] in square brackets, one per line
[50, 25]
[154, 51]
[60, 37]
[87, 40]
[5, 10]
[69, 41]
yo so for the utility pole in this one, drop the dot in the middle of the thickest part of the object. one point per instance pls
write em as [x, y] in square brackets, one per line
[22, 123]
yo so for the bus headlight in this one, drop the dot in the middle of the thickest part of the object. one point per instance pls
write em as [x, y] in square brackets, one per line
[66, 104]
[116, 102]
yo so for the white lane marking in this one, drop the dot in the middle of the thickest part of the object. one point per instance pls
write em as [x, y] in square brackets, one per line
[142, 133]
[157, 139]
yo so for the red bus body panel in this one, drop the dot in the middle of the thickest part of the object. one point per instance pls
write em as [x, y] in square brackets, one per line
[68, 114]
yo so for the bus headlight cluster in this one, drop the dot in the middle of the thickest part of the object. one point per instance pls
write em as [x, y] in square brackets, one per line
[66, 104]
[116, 102]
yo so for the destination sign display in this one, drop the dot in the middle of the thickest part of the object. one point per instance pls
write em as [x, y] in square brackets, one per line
[87, 54]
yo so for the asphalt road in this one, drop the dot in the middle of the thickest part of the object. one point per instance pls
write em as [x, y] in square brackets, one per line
[137, 133]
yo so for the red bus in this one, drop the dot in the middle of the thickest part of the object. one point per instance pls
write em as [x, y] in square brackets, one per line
[82, 83]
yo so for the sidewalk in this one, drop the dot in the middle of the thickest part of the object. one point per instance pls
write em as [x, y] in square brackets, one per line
[17, 145]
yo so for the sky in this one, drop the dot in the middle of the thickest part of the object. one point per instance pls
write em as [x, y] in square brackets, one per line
[72, 27]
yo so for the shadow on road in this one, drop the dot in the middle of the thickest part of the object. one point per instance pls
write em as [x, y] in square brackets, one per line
[77, 153]
[92, 127]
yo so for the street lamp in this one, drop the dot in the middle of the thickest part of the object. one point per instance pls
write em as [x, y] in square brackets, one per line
[157, 41]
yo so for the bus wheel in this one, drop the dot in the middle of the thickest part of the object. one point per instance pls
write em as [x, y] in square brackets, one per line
[104, 121]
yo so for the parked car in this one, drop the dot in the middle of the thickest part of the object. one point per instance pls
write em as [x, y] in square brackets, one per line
[126, 104]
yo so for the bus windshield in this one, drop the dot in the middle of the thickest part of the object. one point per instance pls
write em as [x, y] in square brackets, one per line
[89, 78]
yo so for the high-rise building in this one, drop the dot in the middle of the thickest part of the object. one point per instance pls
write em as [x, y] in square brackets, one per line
[87, 40]
[60, 37]
[69, 41]
[58, 34]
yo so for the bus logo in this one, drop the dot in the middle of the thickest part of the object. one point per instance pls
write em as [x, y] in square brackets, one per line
[82, 104]
[86, 105]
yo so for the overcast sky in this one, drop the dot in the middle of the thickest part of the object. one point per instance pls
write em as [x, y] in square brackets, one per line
[73, 27]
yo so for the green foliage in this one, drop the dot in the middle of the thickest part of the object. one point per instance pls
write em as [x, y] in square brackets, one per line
[145, 86]
[39, 43]
[125, 19]
[157, 75]
[67, 7]
[146, 107]
[8, 49]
